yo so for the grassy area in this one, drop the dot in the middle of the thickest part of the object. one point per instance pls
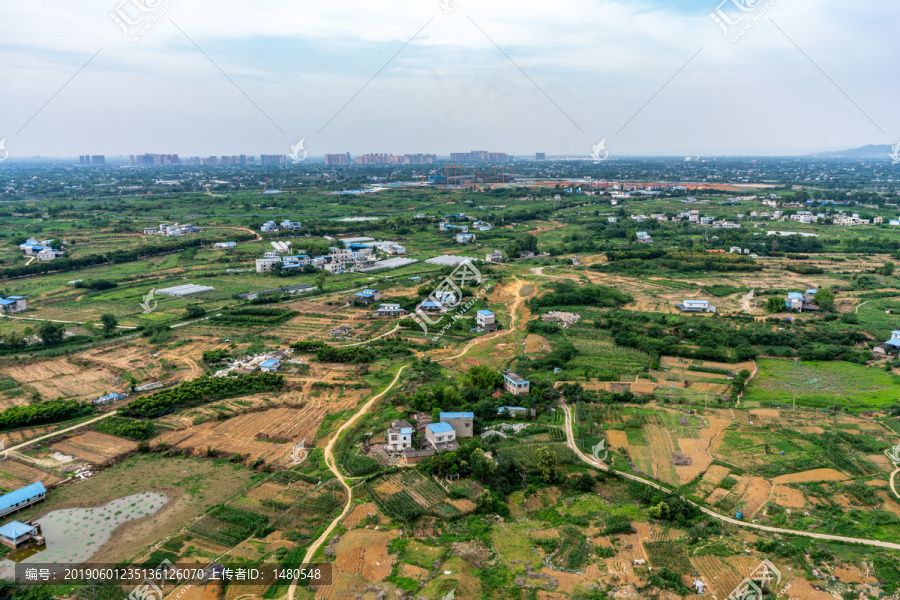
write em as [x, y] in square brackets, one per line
[823, 384]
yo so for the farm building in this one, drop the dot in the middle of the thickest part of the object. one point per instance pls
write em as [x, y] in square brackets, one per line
[21, 498]
[441, 436]
[400, 435]
[180, 291]
[494, 257]
[432, 306]
[486, 320]
[516, 384]
[269, 226]
[108, 398]
[695, 306]
[465, 238]
[340, 331]
[801, 302]
[225, 245]
[461, 422]
[366, 297]
[15, 533]
[414, 456]
[892, 345]
[390, 310]
[515, 411]
[13, 304]
[422, 420]
[269, 366]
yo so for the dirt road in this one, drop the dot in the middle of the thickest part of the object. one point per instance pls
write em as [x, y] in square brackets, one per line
[55, 433]
[514, 318]
[332, 465]
[570, 441]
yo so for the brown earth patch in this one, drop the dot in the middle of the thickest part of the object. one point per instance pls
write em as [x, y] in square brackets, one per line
[813, 475]
[95, 447]
[359, 514]
[617, 438]
[788, 497]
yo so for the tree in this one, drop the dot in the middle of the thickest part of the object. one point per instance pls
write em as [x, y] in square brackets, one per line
[547, 463]
[482, 467]
[775, 304]
[886, 269]
[194, 311]
[320, 281]
[485, 377]
[109, 321]
[825, 300]
[51, 333]
[585, 483]
[660, 511]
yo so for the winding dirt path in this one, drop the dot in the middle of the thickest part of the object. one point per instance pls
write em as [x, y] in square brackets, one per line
[570, 441]
[332, 466]
[514, 319]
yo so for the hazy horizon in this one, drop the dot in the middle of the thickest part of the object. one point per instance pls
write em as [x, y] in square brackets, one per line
[652, 78]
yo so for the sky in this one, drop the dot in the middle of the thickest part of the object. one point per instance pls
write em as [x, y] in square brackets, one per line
[216, 77]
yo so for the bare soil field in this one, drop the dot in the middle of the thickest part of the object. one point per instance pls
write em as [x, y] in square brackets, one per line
[14, 474]
[241, 434]
[813, 475]
[362, 553]
[94, 447]
[788, 497]
[617, 438]
[359, 514]
[20, 435]
[62, 378]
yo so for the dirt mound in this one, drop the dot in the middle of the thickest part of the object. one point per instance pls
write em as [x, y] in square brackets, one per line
[473, 552]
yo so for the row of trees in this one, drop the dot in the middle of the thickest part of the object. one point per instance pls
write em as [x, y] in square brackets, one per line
[199, 391]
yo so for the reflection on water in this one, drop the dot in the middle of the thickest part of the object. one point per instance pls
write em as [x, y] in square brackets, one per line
[73, 535]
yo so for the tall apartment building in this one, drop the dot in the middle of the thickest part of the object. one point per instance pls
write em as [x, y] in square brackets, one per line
[153, 159]
[338, 159]
[405, 159]
[272, 159]
[98, 160]
[540, 156]
[478, 156]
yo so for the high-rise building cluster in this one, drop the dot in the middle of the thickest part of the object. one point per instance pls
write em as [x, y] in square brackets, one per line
[338, 159]
[95, 160]
[478, 156]
[142, 160]
[391, 159]
[272, 159]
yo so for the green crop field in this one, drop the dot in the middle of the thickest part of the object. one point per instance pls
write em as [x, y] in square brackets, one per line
[823, 384]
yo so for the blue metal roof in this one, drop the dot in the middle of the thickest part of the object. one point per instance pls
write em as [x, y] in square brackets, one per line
[795, 296]
[363, 295]
[510, 408]
[7, 302]
[14, 529]
[431, 303]
[486, 313]
[893, 342]
[457, 415]
[812, 291]
[406, 431]
[440, 427]
[22, 494]
[269, 363]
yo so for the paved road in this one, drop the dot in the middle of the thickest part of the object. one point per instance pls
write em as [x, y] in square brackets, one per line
[570, 441]
[332, 465]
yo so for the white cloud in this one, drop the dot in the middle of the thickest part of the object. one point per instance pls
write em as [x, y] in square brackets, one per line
[451, 88]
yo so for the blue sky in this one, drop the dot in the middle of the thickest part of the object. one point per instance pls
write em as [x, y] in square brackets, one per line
[651, 78]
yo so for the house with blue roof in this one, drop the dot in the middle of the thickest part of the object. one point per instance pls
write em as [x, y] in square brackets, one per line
[366, 297]
[22, 498]
[13, 304]
[486, 320]
[516, 384]
[461, 422]
[16, 533]
[800, 302]
[400, 435]
[890, 346]
[442, 436]
[269, 366]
